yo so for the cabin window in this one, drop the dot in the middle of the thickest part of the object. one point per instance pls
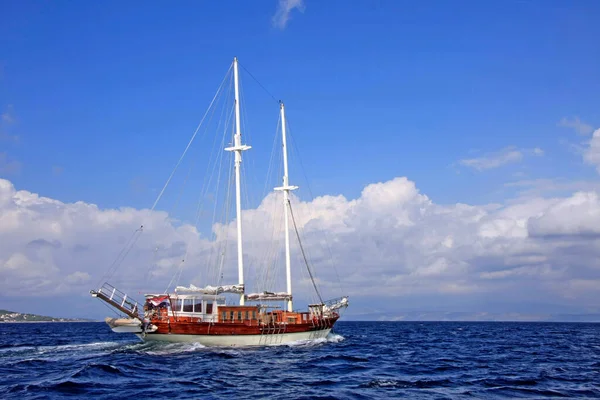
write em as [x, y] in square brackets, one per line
[239, 315]
[291, 320]
[231, 316]
[253, 314]
[209, 307]
[224, 315]
[177, 305]
[188, 305]
[198, 306]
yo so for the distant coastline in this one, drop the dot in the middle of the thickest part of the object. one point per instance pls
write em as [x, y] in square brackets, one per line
[58, 321]
[13, 317]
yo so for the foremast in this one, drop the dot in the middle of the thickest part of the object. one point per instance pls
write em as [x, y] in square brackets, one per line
[286, 188]
[238, 147]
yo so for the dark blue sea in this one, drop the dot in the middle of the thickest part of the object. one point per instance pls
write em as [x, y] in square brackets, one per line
[361, 360]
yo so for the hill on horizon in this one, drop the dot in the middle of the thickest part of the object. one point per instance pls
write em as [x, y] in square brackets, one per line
[12, 316]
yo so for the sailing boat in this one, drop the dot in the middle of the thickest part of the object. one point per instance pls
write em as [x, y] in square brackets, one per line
[203, 315]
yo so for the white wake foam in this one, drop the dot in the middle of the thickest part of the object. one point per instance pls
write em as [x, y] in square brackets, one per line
[171, 348]
[331, 338]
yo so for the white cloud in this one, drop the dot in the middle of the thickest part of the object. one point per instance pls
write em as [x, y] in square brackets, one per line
[577, 125]
[588, 149]
[578, 215]
[535, 188]
[591, 154]
[49, 247]
[284, 9]
[391, 242]
[508, 155]
[494, 160]
[77, 277]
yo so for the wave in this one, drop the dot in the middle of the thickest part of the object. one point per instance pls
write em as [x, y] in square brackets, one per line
[159, 348]
[399, 383]
[78, 347]
[519, 392]
[30, 362]
[96, 370]
[343, 357]
[16, 349]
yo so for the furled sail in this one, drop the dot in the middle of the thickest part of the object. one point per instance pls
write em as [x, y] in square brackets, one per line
[239, 289]
[268, 296]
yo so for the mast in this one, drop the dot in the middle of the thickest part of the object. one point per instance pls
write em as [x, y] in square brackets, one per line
[286, 204]
[238, 147]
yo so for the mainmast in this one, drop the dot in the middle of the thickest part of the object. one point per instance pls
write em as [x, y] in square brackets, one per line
[238, 147]
[286, 205]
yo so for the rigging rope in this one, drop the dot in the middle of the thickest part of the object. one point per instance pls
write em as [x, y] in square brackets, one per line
[135, 236]
[205, 187]
[214, 161]
[122, 254]
[258, 82]
[312, 279]
[223, 250]
[176, 274]
[213, 265]
[272, 254]
[191, 140]
[205, 184]
[263, 272]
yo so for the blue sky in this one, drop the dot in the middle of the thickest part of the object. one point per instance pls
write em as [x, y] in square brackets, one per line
[99, 99]
[99, 89]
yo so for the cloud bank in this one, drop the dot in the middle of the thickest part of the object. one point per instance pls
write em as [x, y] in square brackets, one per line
[392, 242]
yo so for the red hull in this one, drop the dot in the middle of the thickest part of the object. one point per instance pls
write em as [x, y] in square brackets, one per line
[236, 328]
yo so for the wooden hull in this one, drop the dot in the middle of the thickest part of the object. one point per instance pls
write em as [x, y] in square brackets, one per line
[237, 334]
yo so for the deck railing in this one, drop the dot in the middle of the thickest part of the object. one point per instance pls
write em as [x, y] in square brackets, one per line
[118, 300]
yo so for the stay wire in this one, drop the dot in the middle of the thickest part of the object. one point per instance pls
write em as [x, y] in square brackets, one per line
[258, 82]
[312, 279]
[190, 142]
[177, 274]
[122, 254]
[125, 250]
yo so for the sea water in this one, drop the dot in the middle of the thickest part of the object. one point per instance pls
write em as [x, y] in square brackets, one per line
[361, 360]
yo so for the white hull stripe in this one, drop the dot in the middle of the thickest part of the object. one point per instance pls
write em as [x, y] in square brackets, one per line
[237, 340]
